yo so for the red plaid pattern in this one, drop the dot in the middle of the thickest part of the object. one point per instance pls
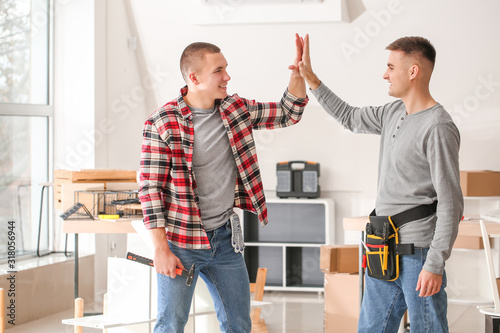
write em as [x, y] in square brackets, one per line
[167, 184]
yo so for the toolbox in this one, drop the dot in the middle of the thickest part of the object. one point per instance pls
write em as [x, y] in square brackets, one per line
[297, 179]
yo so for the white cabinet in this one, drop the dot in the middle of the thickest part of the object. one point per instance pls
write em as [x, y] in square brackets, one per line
[289, 245]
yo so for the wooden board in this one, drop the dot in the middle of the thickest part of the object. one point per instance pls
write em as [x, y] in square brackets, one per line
[91, 175]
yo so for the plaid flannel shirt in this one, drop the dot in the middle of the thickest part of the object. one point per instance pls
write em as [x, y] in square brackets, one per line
[167, 183]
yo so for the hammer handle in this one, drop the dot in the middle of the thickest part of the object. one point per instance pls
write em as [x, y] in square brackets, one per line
[149, 262]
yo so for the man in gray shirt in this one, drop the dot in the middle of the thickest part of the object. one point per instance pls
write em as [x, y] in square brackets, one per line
[418, 165]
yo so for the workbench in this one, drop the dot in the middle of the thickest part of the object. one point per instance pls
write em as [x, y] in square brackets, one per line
[97, 226]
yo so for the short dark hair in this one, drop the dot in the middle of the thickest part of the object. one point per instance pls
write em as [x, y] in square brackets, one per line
[414, 46]
[193, 54]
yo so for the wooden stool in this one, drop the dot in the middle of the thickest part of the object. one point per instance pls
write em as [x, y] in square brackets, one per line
[258, 324]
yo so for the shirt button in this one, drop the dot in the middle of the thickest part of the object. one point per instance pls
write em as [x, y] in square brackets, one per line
[402, 118]
[393, 136]
[398, 127]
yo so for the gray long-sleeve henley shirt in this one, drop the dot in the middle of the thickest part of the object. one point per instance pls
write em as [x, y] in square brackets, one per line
[418, 164]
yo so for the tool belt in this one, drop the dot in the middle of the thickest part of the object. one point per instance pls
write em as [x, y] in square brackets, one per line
[382, 248]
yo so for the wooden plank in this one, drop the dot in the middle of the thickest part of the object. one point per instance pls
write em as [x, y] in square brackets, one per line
[86, 226]
[92, 175]
[62, 174]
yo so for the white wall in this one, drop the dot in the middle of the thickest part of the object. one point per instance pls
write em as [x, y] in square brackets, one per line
[349, 57]
[74, 97]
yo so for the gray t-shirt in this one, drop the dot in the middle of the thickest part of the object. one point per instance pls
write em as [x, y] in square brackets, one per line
[214, 168]
[418, 164]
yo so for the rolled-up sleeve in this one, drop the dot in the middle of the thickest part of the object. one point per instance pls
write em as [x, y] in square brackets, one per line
[276, 115]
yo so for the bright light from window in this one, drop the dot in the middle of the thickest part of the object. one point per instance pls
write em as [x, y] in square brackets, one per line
[24, 51]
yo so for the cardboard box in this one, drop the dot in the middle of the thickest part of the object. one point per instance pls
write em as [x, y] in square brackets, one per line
[469, 242]
[339, 258]
[341, 303]
[480, 183]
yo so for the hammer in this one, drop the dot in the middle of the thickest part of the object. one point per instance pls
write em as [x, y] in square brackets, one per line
[189, 275]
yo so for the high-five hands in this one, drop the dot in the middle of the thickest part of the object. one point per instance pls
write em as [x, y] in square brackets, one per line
[299, 45]
[302, 62]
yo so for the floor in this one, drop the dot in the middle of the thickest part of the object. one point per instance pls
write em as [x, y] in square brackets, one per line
[290, 313]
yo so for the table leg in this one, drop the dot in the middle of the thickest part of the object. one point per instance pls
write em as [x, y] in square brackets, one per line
[76, 266]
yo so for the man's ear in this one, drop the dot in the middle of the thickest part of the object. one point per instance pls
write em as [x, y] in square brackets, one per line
[192, 78]
[414, 70]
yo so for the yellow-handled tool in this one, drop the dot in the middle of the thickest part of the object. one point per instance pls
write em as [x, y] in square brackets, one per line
[109, 216]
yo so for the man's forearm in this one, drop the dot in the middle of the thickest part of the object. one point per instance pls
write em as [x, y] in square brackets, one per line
[313, 81]
[297, 86]
[159, 237]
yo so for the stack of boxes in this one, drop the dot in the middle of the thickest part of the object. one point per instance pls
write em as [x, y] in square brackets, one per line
[340, 263]
[481, 183]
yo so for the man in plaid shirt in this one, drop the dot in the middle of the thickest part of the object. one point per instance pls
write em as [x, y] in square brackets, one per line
[190, 183]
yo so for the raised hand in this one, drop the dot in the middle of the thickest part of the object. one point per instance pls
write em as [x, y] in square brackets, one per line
[299, 45]
[305, 68]
[297, 84]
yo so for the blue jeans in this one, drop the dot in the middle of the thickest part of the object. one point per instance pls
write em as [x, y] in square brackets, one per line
[226, 277]
[385, 302]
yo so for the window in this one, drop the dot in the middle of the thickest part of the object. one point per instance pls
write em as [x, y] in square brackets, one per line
[24, 49]
[25, 116]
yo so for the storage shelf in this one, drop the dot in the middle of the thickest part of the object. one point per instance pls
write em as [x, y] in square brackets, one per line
[289, 245]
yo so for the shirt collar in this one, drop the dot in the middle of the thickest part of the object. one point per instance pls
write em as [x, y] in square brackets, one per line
[183, 107]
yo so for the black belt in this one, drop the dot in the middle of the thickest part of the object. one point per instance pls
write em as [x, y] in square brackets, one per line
[412, 214]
